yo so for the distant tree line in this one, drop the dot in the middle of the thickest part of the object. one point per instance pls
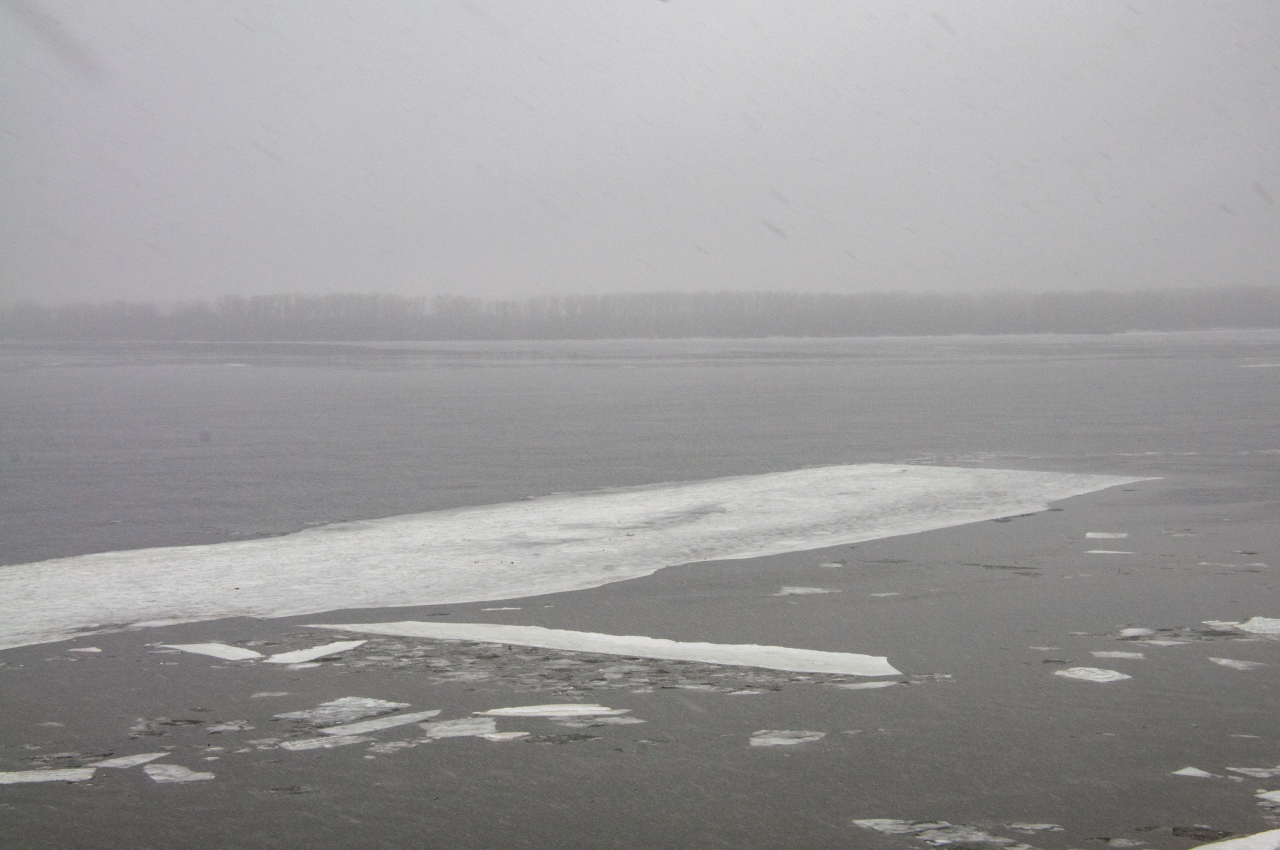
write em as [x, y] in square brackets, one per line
[642, 315]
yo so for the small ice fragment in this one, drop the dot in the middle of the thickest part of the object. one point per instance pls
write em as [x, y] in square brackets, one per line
[1108, 552]
[130, 761]
[866, 686]
[1106, 535]
[267, 694]
[217, 650]
[1035, 827]
[1222, 625]
[587, 722]
[71, 774]
[1269, 840]
[783, 737]
[939, 833]
[556, 710]
[466, 727]
[229, 726]
[1091, 674]
[1165, 642]
[802, 591]
[1045, 648]
[1124, 842]
[1236, 665]
[505, 736]
[1111, 654]
[1194, 772]
[500, 609]
[1261, 626]
[392, 747]
[1136, 632]
[365, 726]
[344, 710]
[302, 656]
[174, 773]
[832, 565]
[84, 649]
[1257, 772]
[882, 595]
[326, 743]
[1269, 796]
[306, 665]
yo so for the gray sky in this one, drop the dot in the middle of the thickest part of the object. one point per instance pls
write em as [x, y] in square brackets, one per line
[190, 149]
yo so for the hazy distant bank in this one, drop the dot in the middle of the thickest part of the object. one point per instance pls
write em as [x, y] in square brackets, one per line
[643, 315]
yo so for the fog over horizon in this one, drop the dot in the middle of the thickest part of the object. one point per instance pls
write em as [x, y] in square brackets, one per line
[180, 151]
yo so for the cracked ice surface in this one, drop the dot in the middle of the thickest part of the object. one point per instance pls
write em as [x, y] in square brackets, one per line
[548, 545]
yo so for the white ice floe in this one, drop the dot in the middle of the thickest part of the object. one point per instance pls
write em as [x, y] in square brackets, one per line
[1135, 632]
[505, 736]
[1269, 840]
[302, 656]
[1106, 535]
[1035, 827]
[1237, 665]
[783, 737]
[742, 655]
[229, 726]
[84, 649]
[865, 686]
[1114, 654]
[1269, 796]
[466, 727]
[571, 709]
[268, 694]
[1261, 626]
[883, 595]
[1091, 674]
[1257, 772]
[70, 774]
[344, 710]
[939, 833]
[324, 743]
[1222, 625]
[130, 761]
[1165, 642]
[217, 650]
[364, 727]
[174, 773]
[803, 591]
[1195, 773]
[548, 545]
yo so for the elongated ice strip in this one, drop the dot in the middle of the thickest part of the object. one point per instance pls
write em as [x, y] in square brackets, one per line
[302, 655]
[217, 650]
[635, 646]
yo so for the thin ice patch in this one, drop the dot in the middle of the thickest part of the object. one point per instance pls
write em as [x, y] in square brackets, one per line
[84, 649]
[633, 646]
[229, 726]
[302, 656]
[72, 774]
[174, 773]
[130, 761]
[466, 727]
[1091, 674]
[364, 727]
[556, 710]
[344, 710]
[217, 650]
[268, 694]
[803, 591]
[939, 833]
[326, 743]
[865, 686]
[1237, 665]
[1135, 632]
[784, 737]
[1195, 773]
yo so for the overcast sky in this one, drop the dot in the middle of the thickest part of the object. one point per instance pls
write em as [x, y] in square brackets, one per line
[513, 148]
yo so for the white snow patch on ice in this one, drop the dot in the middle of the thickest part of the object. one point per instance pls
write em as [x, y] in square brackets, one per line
[364, 727]
[571, 709]
[741, 655]
[783, 737]
[217, 650]
[1269, 840]
[344, 710]
[71, 774]
[1091, 674]
[174, 773]
[302, 656]
[548, 545]
[1194, 772]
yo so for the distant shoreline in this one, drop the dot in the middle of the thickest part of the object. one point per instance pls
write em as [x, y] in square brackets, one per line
[657, 315]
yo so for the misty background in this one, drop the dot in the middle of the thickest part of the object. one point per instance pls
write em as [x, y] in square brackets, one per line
[574, 159]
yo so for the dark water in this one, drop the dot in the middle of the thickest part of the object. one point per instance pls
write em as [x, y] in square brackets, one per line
[108, 447]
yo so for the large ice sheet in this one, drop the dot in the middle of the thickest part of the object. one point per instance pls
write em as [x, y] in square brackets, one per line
[635, 646]
[548, 545]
